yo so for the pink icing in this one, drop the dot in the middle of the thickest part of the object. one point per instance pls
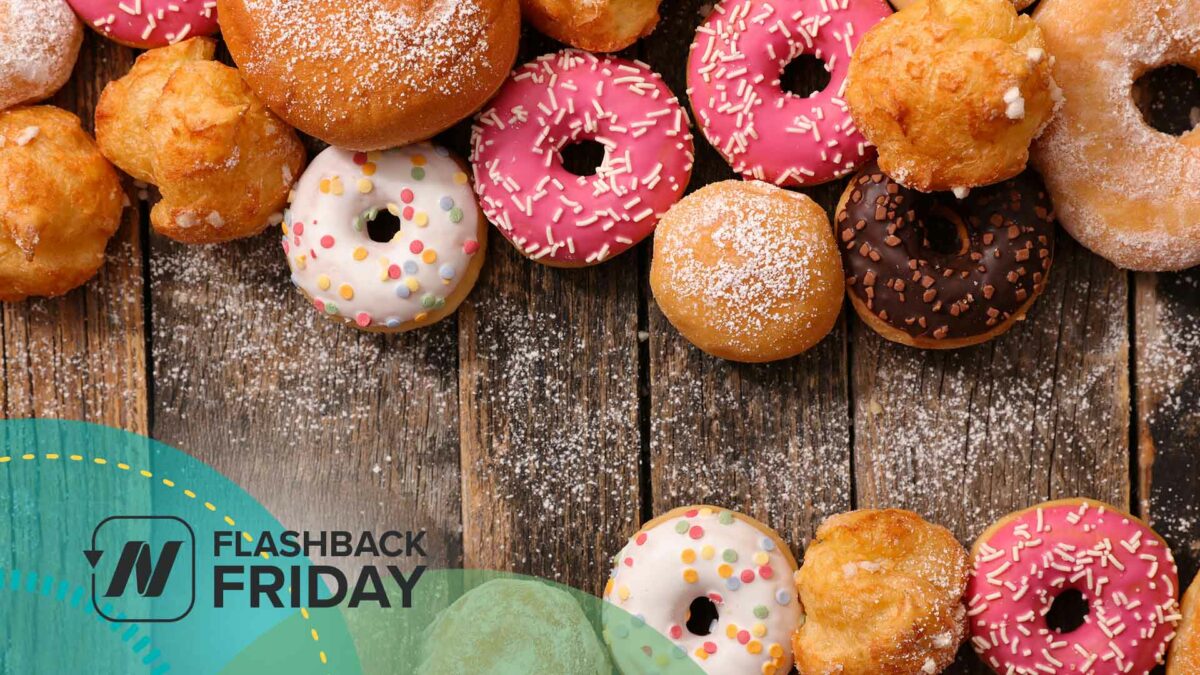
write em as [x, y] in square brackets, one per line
[551, 214]
[148, 23]
[734, 74]
[1123, 570]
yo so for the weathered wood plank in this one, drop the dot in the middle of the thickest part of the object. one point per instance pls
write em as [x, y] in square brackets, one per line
[549, 392]
[83, 356]
[1167, 339]
[770, 440]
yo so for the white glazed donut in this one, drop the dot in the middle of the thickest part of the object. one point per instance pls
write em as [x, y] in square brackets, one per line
[417, 277]
[691, 554]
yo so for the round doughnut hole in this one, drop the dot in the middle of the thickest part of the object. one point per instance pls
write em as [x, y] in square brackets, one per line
[804, 76]
[383, 227]
[1169, 99]
[945, 232]
[583, 158]
[1067, 612]
[702, 614]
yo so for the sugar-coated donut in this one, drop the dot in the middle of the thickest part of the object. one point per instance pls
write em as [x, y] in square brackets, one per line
[747, 271]
[882, 593]
[1184, 657]
[1124, 571]
[372, 74]
[418, 276]
[1123, 189]
[60, 202]
[552, 215]
[145, 24]
[913, 292]
[901, 4]
[594, 25]
[511, 626]
[734, 71]
[223, 163]
[729, 562]
[952, 92]
[39, 42]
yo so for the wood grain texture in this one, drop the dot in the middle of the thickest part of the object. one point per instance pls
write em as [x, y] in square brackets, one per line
[82, 356]
[327, 427]
[1167, 339]
[1042, 412]
[549, 392]
[770, 440]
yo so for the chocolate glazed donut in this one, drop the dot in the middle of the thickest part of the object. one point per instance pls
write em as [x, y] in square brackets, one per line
[913, 291]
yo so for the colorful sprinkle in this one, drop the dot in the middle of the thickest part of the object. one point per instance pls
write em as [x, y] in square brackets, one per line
[360, 254]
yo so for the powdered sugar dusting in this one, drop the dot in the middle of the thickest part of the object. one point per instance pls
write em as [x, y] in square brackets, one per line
[38, 42]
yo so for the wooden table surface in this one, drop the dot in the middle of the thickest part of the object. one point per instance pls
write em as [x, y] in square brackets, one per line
[536, 428]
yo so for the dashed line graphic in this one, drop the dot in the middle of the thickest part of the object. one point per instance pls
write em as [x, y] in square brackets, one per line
[101, 461]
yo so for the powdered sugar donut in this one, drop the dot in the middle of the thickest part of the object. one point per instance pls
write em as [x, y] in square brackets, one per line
[347, 255]
[549, 213]
[734, 72]
[1122, 188]
[1124, 571]
[39, 42]
[716, 583]
[145, 24]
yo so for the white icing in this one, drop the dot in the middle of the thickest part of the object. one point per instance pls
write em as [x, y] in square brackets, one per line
[649, 584]
[382, 283]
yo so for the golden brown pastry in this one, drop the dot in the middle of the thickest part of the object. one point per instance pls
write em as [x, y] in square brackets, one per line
[882, 593]
[60, 202]
[223, 163]
[594, 25]
[1184, 657]
[39, 42]
[1123, 189]
[372, 74]
[901, 4]
[952, 92]
[747, 271]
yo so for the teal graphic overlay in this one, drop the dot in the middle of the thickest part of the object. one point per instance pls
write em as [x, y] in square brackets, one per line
[107, 563]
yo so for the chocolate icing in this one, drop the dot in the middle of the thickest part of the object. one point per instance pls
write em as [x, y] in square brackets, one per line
[1006, 235]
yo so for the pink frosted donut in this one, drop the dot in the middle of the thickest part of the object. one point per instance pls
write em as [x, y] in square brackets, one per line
[145, 24]
[1124, 571]
[550, 214]
[734, 72]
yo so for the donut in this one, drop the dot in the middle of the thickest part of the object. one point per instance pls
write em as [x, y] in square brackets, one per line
[354, 268]
[912, 289]
[747, 271]
[59, 205]
[1123, 570]
[39, 42]
[734, 70]
[509, 626]
[715, 583]
[552, 215]
[145, 24]
[882, 593]
[372, 74]
[1123, 189]
[594, 25]
[901, 4]
[223, 162]
[952, 92]
[1184, 657]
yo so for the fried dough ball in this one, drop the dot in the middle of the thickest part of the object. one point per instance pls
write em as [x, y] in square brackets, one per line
[952, 92]
[39, 42]
[60, 202]
[1184, 657]
[373, 74]
[223, 162]
[882, 593]
[594, 25]
[747, 271]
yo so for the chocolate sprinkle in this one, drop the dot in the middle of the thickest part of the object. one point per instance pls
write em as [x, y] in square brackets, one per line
[1009, 232]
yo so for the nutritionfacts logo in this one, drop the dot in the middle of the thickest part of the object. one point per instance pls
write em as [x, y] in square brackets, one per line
[143, 568]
